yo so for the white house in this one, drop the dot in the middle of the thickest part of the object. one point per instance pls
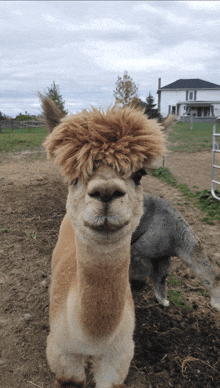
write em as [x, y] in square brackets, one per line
[189, 96]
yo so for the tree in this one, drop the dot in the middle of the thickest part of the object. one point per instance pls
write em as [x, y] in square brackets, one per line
[54, 94]
[23, 117]
[141, 104]
[3, 116]
[126, 91]
[150, 111]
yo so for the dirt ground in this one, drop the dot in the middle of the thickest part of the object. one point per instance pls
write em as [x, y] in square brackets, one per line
[174, 347]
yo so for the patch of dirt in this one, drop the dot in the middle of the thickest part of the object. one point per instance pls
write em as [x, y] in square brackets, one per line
[194, 169]
[174, 347]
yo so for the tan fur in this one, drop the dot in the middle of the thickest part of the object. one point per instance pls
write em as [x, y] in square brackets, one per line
[97, 319]
[91, 305]
[64, 271]
[169, 121]
[122, 138]
[111, 287]
[54, 114]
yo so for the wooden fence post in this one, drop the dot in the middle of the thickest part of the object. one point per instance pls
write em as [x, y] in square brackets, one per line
[191, 121]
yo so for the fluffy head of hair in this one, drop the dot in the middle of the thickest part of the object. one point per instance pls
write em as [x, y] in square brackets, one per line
[122, 138]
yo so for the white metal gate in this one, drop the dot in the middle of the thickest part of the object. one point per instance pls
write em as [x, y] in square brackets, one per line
[215, 150]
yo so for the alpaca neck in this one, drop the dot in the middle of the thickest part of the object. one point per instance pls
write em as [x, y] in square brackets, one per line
[103, 284]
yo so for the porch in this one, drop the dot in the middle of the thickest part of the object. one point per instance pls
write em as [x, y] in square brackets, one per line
[197, 109]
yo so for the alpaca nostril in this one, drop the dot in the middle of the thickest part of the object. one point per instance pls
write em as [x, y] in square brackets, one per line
[104, 197]
[96, 194]
[118, 194]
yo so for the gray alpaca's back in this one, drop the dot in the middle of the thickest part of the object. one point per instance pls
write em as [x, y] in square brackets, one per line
[161, 234]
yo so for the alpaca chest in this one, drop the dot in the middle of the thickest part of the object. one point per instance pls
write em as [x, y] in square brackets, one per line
[70, 336]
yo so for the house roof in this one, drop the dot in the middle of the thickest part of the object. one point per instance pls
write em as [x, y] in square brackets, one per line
[192, 83]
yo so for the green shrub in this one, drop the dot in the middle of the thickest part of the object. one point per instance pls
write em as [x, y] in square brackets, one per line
[24, 117]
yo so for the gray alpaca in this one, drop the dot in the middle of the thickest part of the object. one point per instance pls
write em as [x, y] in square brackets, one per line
[163, 233]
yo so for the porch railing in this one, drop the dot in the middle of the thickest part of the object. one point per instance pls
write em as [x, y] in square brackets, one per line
[215, 166]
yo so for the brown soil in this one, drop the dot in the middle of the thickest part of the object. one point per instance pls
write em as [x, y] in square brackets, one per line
[195, 169]
[174, 347]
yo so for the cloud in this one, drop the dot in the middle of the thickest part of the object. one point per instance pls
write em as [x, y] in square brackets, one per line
[98, 24]
[204, 5]
[161, 12]
[188, 55]
[84, 46]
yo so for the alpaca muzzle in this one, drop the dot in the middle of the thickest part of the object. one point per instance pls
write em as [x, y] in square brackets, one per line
[106, 225]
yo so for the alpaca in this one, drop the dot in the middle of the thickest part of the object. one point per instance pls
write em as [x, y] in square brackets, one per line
[169, 121]
[162, 233]
[103, 155]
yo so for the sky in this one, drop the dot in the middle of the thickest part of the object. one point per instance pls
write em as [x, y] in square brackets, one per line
[84, 46]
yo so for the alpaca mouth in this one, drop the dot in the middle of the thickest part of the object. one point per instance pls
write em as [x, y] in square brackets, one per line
[106, 227]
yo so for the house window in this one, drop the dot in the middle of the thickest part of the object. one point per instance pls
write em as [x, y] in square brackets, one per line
[190, 95]
[186, 95]
[194, 94]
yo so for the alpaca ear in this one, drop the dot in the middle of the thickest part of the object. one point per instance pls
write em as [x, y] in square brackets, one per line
[52, 114]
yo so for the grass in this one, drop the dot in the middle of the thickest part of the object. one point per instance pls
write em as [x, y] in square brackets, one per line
[201, 290]
[22, 139]
[203, 199]
[174, 295]
[176, 298]
[172, 281]
[33, 235]
[182, 139]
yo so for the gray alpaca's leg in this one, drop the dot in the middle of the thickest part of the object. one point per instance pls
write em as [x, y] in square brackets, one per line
[160, 269]
[157, 269]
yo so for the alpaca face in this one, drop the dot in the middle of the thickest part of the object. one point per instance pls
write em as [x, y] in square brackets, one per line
[108, 208]
[107, 150]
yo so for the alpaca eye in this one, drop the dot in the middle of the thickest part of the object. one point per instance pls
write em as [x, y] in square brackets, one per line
[138, 175]
[74, 182]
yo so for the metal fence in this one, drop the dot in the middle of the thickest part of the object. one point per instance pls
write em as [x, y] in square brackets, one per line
[215, 166]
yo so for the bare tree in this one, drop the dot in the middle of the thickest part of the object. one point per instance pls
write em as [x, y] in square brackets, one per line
[126, 91]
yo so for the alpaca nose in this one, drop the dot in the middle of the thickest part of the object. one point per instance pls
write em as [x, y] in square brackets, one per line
[106, 197]
[106, 193]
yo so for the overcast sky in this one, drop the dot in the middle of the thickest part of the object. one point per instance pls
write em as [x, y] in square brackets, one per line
[84, 47]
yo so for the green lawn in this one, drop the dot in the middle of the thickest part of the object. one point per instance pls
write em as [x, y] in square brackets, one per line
[182, 139]
[22, 138]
